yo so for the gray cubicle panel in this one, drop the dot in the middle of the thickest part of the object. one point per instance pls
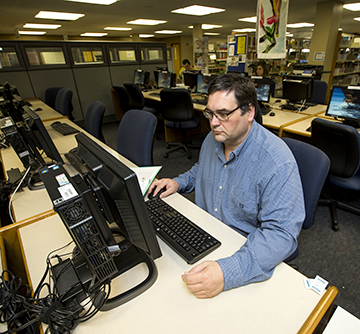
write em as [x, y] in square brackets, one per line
[94, 83]
[43, 79]
[122, 73]
[21, 80]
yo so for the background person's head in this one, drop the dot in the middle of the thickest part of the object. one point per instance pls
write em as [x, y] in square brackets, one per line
[243, 88]
[186, 64]
[262, 69]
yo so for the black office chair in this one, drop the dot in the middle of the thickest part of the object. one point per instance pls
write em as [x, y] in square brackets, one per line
[121, 101]
[313, 168]
[94, 119]
[63, 102]
[319, 93]
[272, 88]
[136, 97]
[50, 96]
[178, 113]
[258, 115]
[135, 137]
[341, 143]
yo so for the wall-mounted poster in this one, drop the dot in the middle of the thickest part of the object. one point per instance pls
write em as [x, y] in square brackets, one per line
[271, 28]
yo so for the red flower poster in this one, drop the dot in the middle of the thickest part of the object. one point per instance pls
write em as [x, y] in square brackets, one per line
[271, 28]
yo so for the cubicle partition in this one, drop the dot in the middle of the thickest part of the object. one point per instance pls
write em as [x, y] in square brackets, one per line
[89, 69]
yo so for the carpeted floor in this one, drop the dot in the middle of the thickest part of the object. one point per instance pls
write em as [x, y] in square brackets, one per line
[332, 255]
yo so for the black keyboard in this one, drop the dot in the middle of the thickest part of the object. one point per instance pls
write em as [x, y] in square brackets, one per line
[200, 101]
[186, 238]
[64, 128]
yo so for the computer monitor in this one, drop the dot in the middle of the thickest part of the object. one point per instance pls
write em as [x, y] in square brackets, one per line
[203, 83]
[263, 90]
[166, 79]
[344, 104]
[141, 77]
[119, 211]
[297, 89]
[190, 78]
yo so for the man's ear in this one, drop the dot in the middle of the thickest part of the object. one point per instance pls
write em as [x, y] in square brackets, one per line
[251, 112]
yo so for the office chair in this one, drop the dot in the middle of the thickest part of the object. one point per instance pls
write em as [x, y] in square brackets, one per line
[341, 144]
[121, 101]
[63, 102]
[319, 93]
[272, 88]
[313, 167]
[178, 113]
[135, 137]
[136, 97]
[50, 96]
[94, 119]
[258, 115]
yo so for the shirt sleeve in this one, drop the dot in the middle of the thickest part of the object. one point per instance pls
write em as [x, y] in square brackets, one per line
[280, 217]
[186, 181]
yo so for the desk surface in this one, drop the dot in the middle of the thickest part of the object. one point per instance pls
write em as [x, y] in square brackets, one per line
[46, 113]
[278, 305]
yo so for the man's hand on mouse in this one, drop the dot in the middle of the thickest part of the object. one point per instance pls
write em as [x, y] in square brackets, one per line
[170, 185]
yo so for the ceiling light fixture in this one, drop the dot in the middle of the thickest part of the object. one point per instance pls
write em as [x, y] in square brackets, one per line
[206, 26]
[146, 22]
[117, 28]
[58, 16]
[146, 35]
[197, 10]
[211, 33]
[96, 2]
[352, 6]
[357, 18]
[41, 26]
[168, 32]
[94, 34]
[21, 32]
[251, 19]
[300, 25]
[245, 30]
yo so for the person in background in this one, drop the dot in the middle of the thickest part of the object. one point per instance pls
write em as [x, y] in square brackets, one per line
[186, 66]
[247, 178]
[262, 69]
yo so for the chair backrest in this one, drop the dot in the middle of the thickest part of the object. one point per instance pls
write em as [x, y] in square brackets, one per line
[340, 142]
[319, 93]
[272, 88]
[258, 115]
[123, 97]
[313, 168]
[135, 137]
[50, 96]
[94, 118]
[63, 102]
[176, 105]
[136, 97]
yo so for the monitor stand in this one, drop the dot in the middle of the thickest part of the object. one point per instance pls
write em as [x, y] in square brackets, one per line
[353, 123]
[264, 108]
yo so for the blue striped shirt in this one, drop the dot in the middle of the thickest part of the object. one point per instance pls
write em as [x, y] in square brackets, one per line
[258, 193]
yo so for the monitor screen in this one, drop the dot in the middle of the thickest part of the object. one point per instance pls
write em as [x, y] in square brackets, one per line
[297, 88]
[203, 83]
[190, 78]
[263, 90]
[141, 77]
[344, 103]
[166, 80]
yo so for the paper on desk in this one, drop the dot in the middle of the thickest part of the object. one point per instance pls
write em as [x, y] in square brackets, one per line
[145, 176]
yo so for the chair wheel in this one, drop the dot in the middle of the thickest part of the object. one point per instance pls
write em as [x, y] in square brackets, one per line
[166, 155]
[168, 146]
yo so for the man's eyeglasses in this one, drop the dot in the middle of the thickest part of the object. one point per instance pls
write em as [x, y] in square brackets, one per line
[221, 116]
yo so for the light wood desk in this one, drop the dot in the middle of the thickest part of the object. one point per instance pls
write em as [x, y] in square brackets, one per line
[3, 266]
[278, 305]
[46, 113]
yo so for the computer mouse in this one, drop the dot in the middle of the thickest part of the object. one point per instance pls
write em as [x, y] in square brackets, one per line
[272, 114]
[277, 101]
[151, 195]
[38, 109]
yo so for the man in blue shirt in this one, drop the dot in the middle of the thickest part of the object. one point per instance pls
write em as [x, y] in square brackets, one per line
[248, 178]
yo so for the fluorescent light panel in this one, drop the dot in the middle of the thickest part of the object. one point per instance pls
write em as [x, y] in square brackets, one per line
[58, 16]
[94, 34]
[352, 6]
[357, 18]
[146, 35]
[211, 33]
[96, 2]
[168, 32]
[117, 28]
[41, 26]
[197, 10]
[206, 26]
[146, 22]
[300, 25]
[252, 19]
[244, 30]
[28, 32]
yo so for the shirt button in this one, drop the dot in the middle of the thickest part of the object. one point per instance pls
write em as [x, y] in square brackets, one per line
[215, 210]
[220, 187]
[225, 166]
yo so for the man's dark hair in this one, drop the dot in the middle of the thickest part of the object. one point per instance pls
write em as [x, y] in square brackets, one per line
[242, 87]
[186, 61]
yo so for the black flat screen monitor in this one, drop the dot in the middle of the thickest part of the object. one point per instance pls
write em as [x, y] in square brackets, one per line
[166, 80]
[263, 89]
[141, 77]
[344, 104]
[203, 83]
[190, 78]
[297, 88]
